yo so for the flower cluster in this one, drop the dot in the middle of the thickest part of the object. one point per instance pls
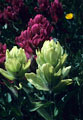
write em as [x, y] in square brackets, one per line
[51, 72]
[2, 52]
[37, 32]
[11, 11]
[43, 5]
[54, 9]
[16, 63]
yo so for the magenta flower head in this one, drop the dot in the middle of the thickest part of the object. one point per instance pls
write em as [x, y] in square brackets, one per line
[43, 5]
[23, 42]
[56, 10]
[12, 11]
[37, 32]
[2, 53]
[9, 14]
[41, 26]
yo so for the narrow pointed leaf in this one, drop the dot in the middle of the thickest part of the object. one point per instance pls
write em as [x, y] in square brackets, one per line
[6, 74]
[62, 85]
[44, 114]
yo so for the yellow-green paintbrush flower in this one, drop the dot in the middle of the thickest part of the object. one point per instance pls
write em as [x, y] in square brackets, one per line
[16, 63]
[52, 53]
[51, 71]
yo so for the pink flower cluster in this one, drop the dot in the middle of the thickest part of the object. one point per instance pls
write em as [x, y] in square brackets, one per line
[43, 5]
[11, 11]
[54, 9]
[37, 32]
[2, 53]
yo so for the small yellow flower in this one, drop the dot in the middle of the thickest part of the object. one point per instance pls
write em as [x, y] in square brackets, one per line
[69, 16]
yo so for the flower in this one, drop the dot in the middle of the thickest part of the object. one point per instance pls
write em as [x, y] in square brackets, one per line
[37, 32]
[43, 5]
[69, 16]
[56, 10]
[16, 63]
[12, 11]
[52, 53]
[51, 71]
[22, 41]
[9, 14]
[2, 53]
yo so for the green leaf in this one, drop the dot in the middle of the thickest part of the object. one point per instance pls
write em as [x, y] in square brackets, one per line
[44, 114]
[11, 88]
[8, 97]
[6, 74]
[17, 111]
[36, 81]
[62, 85]
[38, 105]
[55, 111]
[14, 91]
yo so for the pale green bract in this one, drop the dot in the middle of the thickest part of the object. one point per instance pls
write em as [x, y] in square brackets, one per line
[51, 70]
[51, 52]
[16, 63]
